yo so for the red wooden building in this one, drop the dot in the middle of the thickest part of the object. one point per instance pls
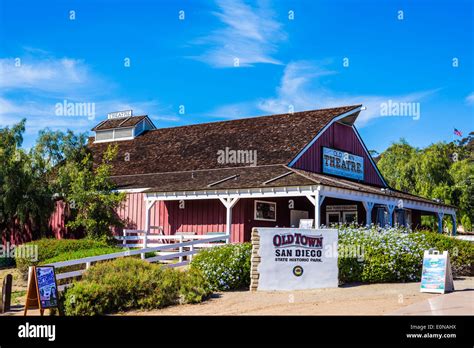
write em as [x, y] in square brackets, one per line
[264, 171]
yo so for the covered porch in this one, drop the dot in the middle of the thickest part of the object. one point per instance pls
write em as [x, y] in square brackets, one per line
[237, 211]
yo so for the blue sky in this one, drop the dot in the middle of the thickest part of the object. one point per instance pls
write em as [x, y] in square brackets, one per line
[182, 71]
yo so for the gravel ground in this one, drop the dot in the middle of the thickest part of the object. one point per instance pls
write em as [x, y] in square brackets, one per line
[353, 299]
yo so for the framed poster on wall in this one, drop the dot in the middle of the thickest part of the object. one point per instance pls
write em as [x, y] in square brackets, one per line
[265, 211]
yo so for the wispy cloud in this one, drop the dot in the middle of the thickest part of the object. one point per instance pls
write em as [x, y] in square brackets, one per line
[301, 87]
[250, 34]
[33, 88]
[49, 75]
[470, 99]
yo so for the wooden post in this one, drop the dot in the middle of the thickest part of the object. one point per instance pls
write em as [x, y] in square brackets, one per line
[440, 222]
[148, 206]
[181, 248]
[229, 204]
[368, 212]
[6, 294]
[390, 209]
[453, 216]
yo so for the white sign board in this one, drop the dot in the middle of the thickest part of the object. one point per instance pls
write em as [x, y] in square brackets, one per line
[436, 275]
[297, 259]
[119, 114]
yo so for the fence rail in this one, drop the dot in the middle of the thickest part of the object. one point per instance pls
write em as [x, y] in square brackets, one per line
[173, 253]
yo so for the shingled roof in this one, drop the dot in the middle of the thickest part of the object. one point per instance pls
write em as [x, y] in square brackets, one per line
[185, 158]
[277, 140]
[124, 122]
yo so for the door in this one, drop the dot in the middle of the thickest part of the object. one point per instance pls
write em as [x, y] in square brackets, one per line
[332, 218]
[296, 216]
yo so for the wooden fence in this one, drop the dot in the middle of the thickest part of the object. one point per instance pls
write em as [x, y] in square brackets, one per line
[171, 254]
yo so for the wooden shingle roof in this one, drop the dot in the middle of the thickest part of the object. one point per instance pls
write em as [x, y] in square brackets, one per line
[124, 122]
[277, 139]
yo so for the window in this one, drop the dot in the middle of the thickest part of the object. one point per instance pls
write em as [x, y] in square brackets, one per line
[349, 217]
[265, 211]
[332, 218]
[104, 135]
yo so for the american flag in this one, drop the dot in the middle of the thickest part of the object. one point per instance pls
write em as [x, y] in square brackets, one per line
[457, 132]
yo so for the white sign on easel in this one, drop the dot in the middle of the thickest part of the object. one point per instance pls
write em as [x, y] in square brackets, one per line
[436, 275]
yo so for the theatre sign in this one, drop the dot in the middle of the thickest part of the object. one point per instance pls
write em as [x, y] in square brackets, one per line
[294, 258]
[342, 163]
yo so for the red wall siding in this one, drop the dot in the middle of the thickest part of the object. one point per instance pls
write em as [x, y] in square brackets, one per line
[340, 137]
[199, 216]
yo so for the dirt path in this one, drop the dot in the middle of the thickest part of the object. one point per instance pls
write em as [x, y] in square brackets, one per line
[373, 299]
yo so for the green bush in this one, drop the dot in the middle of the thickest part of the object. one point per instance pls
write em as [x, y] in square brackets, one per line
[466, 223]
[225, 267]
[194, 287]
[461, 252]
[79, 254]
[51, 248]
[130, 283]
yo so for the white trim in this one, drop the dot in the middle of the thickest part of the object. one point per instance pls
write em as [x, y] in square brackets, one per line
[136, 190]
[223, 180]
[255, 211]
[333, 213]
[299, 191]
[278, 177]
[369, 156]
[344, 213]
[337, 118]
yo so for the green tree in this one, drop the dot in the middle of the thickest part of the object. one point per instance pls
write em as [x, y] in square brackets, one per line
[91, 195]
[397, 165]
[442, 170]
[25, 196]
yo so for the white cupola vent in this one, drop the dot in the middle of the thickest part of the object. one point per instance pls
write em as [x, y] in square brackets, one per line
[122, 125]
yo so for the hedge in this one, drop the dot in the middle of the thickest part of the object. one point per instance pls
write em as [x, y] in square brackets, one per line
[396, 255]
[51, 249]
[130, 283]
[370, 255]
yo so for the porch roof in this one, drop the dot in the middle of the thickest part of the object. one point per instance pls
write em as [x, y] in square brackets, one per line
[258, 177]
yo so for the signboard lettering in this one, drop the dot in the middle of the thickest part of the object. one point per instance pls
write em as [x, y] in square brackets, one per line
[296, 258]
[344, 164]
[119, 114]
[42, 290]
[436, 275]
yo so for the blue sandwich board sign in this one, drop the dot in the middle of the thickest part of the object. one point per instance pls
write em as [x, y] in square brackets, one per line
[436, 275]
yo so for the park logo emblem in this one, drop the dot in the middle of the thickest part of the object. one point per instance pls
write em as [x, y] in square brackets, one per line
[298, 271]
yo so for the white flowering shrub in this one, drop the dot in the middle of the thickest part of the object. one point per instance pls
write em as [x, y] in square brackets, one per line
[369, 255]
[225, 267]
[393, 254]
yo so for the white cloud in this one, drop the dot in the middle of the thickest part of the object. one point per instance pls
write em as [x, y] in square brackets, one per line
[302, 87]
[250, 34]
[34, 88]
[49, 75]
[470, 99]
